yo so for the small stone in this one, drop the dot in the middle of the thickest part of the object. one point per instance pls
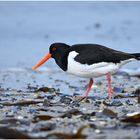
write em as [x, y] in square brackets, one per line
[128, 102]
[66, 100]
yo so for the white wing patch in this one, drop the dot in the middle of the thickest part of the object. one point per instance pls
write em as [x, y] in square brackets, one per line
[94, 70]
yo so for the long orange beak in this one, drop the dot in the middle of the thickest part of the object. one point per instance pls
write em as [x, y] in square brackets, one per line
[42, 61]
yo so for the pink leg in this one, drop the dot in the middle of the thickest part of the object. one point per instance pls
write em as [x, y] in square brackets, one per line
[89, 87]
[110, 91]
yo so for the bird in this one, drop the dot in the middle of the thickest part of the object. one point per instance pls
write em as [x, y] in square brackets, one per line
[88, 61]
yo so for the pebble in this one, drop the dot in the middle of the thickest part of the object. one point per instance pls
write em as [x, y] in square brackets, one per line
[65, 100]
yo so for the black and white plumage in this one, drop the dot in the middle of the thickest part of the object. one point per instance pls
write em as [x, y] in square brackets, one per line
[88, 60]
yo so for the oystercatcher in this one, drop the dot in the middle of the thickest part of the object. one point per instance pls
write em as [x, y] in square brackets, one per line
[88, 61]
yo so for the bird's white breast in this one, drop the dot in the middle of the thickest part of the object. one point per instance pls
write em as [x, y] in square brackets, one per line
[89, 71]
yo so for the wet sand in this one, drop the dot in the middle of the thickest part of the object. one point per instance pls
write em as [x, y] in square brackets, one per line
[44, 105]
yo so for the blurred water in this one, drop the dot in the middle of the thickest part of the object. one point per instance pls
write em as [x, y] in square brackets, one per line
[28, 28]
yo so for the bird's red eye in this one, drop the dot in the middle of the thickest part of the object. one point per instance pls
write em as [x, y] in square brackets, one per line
[53, 49]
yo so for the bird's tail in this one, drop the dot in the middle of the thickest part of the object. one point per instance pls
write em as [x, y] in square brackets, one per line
[137, 55]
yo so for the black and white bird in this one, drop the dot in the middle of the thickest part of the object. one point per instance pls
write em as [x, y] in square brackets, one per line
[88, 61]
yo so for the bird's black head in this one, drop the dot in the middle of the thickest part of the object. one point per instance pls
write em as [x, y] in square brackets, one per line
[59, 52]
[58, 49]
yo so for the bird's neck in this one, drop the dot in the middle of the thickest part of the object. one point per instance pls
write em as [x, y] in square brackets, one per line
[61, 60]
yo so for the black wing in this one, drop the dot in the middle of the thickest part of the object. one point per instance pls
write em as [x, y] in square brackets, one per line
[94, 53]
